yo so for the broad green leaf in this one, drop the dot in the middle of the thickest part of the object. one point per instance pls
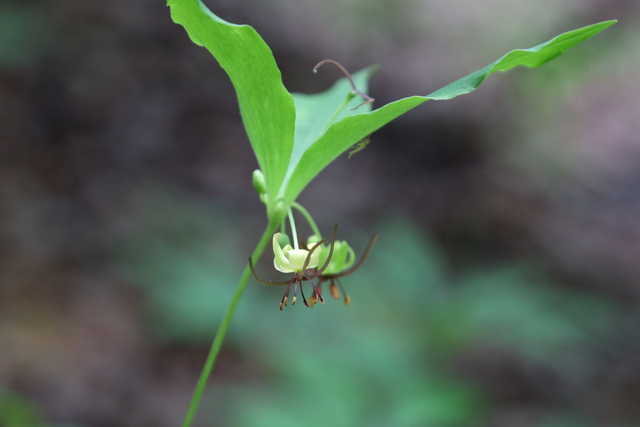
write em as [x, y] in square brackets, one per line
[316, 113]
[342, 135]
[266, 107]
[295, 137]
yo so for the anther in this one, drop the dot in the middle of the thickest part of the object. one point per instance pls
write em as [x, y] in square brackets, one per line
[334, 290]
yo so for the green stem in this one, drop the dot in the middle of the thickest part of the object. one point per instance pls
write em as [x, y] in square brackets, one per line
[283, 230]
[308, 217]
[217, 341]
[294, 232]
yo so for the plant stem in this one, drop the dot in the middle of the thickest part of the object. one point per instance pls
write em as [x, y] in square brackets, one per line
[222, 330]
[294, 232]
[308, 217]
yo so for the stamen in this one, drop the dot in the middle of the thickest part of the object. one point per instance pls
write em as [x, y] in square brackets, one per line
[334, 290]
[285, 297]
[316, 292]
[304, 300]
[295, 291]
[367, 98]
[347, 300]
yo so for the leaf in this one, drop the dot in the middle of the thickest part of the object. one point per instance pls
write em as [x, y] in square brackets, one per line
[345, 133]
[295, 137]
[315, 113]
[267, 108]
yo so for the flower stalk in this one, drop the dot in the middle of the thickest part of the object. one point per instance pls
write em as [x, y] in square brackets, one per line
[226, 320]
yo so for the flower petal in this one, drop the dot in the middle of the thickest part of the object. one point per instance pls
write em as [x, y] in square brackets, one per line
[280, 261]
[351, 257]
[297, 257]
[314, 259]
[343, 257]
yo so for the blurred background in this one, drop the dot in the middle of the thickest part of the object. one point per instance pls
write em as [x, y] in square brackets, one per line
[503, 290]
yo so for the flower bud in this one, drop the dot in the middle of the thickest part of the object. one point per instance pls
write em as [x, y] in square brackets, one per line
[258, 182]
[283, 240]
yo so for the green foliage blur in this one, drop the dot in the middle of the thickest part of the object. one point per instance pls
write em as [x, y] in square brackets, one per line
[22, 26]
[17, 410]
[390, 358]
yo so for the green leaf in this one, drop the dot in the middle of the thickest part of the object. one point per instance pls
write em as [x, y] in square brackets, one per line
[345, 133]
[295, 137]
[266, 106]
[316, 113]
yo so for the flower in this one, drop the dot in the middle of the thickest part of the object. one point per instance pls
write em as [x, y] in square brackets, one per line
[315, 261]
[289, 260]
[303, 263]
